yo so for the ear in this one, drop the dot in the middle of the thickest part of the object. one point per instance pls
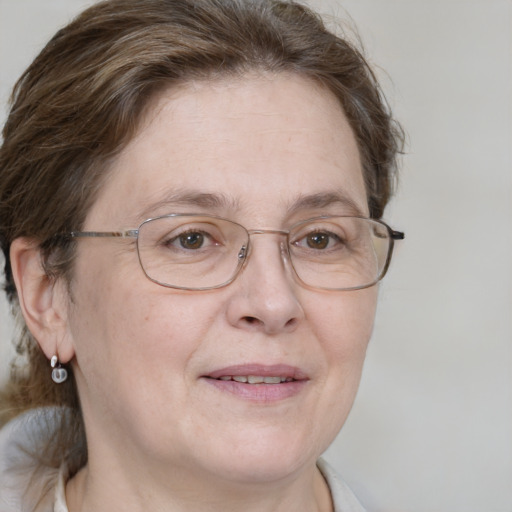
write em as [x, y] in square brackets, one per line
[44, 301]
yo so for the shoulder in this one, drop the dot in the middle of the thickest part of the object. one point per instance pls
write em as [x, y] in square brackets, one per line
[26, 483]
[343, 498]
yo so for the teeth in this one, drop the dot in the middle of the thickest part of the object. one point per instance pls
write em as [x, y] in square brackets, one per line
[272, 380]
[256, 379]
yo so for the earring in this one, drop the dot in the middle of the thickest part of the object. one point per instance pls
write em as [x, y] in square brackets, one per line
[59, 374]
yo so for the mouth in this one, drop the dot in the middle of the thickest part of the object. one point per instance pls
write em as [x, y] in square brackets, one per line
[256, 379]
[259, 374]
[259, 383]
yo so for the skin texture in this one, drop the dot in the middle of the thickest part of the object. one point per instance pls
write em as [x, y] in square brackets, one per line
[161, 436]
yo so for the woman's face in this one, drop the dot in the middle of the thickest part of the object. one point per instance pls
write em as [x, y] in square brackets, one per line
[265, 151]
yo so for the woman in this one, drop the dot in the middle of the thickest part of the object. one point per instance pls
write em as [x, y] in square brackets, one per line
[190, 202]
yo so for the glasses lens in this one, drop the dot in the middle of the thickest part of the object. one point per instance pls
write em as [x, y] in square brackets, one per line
[338, 253]
[191, 251]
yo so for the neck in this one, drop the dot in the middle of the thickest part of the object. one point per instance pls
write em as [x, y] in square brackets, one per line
[89, 491]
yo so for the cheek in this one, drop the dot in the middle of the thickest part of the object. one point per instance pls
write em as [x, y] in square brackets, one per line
[344, 332]
[133, 344]
[344, 323]
[129, 324]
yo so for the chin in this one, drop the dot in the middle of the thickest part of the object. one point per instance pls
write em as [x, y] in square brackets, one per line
[265, 457]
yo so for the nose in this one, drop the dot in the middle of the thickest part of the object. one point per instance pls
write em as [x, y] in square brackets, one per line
[264, 295]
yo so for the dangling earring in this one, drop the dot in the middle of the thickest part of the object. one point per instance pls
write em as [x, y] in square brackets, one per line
[59, 374]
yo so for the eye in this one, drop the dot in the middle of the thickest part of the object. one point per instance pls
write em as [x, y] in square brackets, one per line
[319, 240]
[190, 240]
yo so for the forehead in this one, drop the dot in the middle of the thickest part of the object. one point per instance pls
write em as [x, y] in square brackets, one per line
[236, 146]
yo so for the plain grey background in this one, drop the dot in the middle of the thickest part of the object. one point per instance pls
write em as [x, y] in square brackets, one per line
[431, 430]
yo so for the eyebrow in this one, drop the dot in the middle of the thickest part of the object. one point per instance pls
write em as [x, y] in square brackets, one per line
[192, 198]
[325, 200]
[222, 202]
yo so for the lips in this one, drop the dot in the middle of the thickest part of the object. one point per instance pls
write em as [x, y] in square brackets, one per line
[256, 379]
[254, 372]
[259, 383]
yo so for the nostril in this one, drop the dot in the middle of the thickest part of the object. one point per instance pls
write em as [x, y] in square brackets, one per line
[291, 323]
[251, 320]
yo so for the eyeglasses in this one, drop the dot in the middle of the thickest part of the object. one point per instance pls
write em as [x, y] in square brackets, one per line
[202, 252]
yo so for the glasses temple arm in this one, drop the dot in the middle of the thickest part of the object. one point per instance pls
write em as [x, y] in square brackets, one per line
[129, 233]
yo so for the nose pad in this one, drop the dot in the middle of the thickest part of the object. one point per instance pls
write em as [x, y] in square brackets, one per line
[285, 254]
[243, 253]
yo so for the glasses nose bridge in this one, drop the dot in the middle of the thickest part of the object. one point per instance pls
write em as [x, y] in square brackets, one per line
[285, 253]
[282, 232]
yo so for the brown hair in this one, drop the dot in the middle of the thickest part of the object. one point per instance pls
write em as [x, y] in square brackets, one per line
[81, 100]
